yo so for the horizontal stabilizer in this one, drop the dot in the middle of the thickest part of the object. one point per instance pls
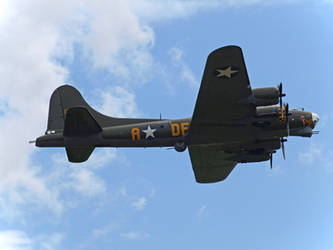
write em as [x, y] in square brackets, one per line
[78, 154]
[79, 122]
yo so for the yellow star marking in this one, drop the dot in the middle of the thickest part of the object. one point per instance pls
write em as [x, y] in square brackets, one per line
[226, 72]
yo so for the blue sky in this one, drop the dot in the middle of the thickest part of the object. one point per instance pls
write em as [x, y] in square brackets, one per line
[140, 59]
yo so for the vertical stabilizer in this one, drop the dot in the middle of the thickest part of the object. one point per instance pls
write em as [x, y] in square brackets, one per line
[66, 97]
[61, 100]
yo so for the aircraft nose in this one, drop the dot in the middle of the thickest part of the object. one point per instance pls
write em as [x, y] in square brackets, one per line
[315, 118]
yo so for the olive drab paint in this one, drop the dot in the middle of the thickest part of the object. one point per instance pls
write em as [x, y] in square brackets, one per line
[176, 129]
[231, 123]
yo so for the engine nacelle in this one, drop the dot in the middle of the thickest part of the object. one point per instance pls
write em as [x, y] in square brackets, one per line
[304, 132]
[266, 96]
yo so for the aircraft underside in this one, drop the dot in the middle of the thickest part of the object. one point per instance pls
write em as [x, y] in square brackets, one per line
[231, 123]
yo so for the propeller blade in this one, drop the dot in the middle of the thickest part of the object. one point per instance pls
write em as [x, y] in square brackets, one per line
[287, 118]
[280, 90]
[281, 95]
[283, 152]
[271, 160]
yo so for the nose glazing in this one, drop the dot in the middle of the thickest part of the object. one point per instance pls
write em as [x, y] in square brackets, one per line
[315, 118]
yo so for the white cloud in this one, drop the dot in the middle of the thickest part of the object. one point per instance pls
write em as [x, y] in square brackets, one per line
[152, 193]
[203, 211]
[140, 203]
[33, 38]
[159, 10]
[116, 38]
[50, 242]
[115, 35]
[14, 240]
[105, 230]
[314, 153]
[328, 1]
[319, 155]
[82, 177]
[186, 75]
[19, 240]
[119, 102]
[28, 75]
[5, 11]
[123, 191]
[87, 183]
[132, 235]
[99, 158]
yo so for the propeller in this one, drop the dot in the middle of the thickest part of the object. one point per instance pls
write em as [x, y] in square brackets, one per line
[287, 118]
[281, 95]
[282, 145]
[271, 160]
[283, 152]
[284, 107]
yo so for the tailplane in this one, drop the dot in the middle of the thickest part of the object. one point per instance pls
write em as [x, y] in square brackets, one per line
[78, 154]
[79, 123]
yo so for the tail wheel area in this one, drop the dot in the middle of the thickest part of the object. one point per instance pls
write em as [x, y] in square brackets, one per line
[180, 146]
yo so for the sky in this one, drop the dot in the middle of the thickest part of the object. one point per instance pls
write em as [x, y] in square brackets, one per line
[144, 58]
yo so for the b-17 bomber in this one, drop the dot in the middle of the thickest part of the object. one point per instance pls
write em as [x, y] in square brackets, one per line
[231, 123]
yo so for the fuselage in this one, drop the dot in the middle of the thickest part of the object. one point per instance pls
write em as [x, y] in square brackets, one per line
[268, 124]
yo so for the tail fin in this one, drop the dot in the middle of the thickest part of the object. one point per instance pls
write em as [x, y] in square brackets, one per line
[61, 100]
[66, 97]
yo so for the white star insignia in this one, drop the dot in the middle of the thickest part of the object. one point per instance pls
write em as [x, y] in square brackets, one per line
[149, 132]
[226, 72]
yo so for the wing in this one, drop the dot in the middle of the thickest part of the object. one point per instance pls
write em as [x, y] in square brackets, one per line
[210, 164]
[225, 94]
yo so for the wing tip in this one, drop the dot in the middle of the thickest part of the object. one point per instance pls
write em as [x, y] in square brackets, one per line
[229, 50]
[206, 181]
